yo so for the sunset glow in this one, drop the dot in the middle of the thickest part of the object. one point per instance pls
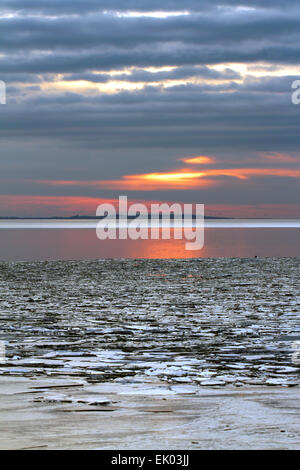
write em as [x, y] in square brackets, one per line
[181, 179]
[104, 98]
[201, 160]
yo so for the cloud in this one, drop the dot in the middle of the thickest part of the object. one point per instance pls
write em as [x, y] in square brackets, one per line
[179, 179]
[200, 160]
[145, 76]
[279, 157]
[83, 43]
[96, 95]
[186, 116]
[61, 7]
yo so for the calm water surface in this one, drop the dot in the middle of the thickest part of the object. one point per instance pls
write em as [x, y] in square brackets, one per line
[69, 244]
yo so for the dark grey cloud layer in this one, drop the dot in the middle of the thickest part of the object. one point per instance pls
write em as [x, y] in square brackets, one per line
[98, 41]
[58, 7]
[42, 33]
[255, 115]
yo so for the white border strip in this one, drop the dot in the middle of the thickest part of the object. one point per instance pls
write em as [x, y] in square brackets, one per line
[92, 224]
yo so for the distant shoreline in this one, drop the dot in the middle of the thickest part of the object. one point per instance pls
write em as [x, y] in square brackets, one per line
[87, 217]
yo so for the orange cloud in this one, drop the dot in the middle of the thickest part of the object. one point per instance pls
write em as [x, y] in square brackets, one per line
[278, 157]
[279, 211]
[63, 206]
[21, 205]
[180, 179]
[28, 206]
[201, 160]
[245, 173]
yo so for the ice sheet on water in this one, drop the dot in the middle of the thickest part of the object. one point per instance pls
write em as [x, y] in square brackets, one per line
[118, 322]
[142, 390]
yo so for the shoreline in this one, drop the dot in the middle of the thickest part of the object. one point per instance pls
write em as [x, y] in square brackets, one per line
[126, 418]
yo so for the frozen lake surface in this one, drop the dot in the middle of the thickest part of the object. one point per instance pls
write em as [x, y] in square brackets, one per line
[150, 354]
[199, 322]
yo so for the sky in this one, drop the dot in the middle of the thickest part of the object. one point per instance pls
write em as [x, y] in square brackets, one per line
[160, 101]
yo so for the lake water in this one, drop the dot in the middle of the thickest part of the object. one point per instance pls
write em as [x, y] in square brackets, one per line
[204, 346]
[208, 322]
[21, 244]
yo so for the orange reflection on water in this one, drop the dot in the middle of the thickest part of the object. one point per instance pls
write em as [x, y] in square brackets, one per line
[162, 249]
[32, 245]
